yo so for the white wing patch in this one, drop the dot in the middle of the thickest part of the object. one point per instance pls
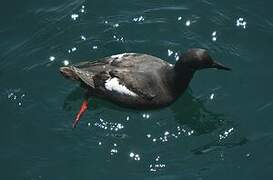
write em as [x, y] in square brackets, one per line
[112, 84]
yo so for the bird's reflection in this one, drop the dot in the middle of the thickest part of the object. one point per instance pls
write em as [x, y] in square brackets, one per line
[188, 111]
[193, 113]
[73, 96]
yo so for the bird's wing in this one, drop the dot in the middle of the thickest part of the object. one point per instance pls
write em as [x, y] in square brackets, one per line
[129, 70]
[139, 82]
[88, 69]
[85, 76]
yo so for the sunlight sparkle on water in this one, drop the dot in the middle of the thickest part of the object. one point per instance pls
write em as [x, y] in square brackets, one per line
[74, 16]
[213, 34]
[73, 49]
[241, 22]
[15, 96]
[138, 19]
[188, 23]
[170, 52]
[116, 25]
[146, 116]
[134, 156]
[82, 10]
[65, 62]
[176, 56]
[113, 151]
[52, 58]
[211, 96]
[109, 125]
[157, 165]
[83, 37]
[225, 134]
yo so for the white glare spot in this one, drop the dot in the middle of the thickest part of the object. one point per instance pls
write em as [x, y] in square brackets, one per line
[83, 37]
[89, 124]
[170, 52]
[51, 58]
[137, 158]
[213, 33]
[116, 25]
[100, 143]
[20, 104]
[65, 62]
[138, 19]
[95, 47]
[154, 140]
[113, 151]
[134, 156]
[73, 49]
[176, 56]
[106, 22]
[225, 134]
[211, 96]
[188, 23]
[179, 18]
[241, 22]
[214, 38]
[127, 118]
[74, 16]
[82, 9]
[149, 135]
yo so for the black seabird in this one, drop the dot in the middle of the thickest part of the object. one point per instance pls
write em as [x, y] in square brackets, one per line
[138, 80]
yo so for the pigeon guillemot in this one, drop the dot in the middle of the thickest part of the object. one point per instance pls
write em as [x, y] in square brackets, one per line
[138, 80]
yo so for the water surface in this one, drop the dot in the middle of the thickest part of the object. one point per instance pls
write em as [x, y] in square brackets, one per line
[221, 128]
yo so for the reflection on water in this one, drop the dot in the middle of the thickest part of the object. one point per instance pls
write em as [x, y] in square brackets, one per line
[183, 140]
[188, 111]
[192, 112]
[218, 145]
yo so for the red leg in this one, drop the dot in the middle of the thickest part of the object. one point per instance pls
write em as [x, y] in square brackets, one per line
[83, 108]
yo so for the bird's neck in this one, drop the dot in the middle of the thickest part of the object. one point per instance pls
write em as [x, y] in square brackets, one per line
[182, 79]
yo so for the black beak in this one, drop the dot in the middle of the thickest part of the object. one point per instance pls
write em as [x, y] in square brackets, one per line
[220, 66]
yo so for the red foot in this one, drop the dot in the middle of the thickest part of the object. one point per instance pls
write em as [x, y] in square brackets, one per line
[83, 108]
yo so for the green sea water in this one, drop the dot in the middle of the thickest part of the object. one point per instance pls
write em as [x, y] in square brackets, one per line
[220, 128]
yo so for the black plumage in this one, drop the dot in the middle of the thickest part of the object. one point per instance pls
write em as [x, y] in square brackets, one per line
[144, 81]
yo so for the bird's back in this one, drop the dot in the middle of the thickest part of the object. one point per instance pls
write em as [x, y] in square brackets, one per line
[130, 79]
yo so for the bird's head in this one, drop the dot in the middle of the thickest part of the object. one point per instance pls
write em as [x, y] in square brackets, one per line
[197, 59]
